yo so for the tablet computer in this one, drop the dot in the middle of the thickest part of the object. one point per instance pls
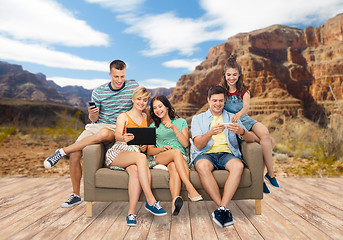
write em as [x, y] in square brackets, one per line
[143, 135]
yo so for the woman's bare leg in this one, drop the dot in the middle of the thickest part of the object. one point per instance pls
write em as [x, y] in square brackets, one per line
[174, 180]
[267, 143]
[134, 188]
[125, 159]
[176, 156]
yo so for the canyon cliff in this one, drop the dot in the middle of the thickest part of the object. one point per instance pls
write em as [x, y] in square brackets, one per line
[287, 70]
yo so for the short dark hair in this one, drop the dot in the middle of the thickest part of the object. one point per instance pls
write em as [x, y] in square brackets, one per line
[215, 90]
[118, 64]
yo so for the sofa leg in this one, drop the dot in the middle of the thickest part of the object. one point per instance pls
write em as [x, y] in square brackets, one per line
[258, 206]
[89, 209]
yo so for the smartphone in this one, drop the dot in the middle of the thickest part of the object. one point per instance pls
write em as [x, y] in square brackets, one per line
[92, 104]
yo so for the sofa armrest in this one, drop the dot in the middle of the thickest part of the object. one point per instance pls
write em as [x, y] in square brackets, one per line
[253, 157]
[93, 159]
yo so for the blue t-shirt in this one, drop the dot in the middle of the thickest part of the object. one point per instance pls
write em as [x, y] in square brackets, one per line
[112, 102]
[165, 136]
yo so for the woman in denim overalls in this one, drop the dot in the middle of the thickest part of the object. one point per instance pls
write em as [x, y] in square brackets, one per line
[238, 101]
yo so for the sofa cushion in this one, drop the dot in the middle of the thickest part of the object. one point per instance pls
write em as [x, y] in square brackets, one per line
[107, 178]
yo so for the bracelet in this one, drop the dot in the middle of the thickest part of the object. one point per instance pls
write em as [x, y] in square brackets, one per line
[243, 132]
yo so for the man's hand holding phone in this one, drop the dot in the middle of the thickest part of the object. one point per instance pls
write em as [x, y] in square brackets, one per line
[93, 112]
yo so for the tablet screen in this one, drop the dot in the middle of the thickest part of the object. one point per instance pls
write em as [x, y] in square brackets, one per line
[143, 135]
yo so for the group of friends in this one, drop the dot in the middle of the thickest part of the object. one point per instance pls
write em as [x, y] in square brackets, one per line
[216, 134]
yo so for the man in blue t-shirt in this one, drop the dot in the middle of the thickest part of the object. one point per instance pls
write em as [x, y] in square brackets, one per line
[110, 100]
[216, 147]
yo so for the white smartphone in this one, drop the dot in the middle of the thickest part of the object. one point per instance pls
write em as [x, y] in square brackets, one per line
[227, 124]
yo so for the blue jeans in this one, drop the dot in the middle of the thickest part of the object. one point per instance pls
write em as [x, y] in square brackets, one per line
[219, 160]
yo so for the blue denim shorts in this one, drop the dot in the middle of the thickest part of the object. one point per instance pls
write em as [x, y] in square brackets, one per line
[219, 160]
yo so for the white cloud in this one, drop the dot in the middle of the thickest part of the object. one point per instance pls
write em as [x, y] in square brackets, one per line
[46, 22]
[86, 83]
[248, 15]
[157, 83]
[189, 64]
[33, 53]
[167, 32]
[119, 5]
[93, 83]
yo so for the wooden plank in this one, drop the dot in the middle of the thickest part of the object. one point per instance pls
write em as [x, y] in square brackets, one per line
[201, 222]
[104, 221]
[27, 216]
[270, 224]
[17, 202]
[50, 224]
[73, 230]
[119, 229]
[307, 228]
[309, 211]
[326, 184]
[22, 184]
[324, 195]
[222, 233]
[144, 220]
[160, 227]
[28, 199]
[243, 226]
[181, 224]
[319, 202]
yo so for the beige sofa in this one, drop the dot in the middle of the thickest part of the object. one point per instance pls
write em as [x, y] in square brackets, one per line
[105, 185]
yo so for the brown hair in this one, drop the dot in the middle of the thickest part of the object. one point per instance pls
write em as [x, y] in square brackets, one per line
[232, 63]
[118, 64]
[215, 90]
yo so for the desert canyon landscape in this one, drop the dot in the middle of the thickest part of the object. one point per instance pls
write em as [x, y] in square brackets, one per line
[295, 77]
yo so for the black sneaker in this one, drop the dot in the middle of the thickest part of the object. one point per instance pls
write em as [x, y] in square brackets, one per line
[177, 205]
[218, 216]
[72, 201]
[228, 218]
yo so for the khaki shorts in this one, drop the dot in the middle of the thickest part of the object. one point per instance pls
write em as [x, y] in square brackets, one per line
[93, 128]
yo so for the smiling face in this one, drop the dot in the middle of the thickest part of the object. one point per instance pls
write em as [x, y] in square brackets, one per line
[140, 102]
[232, 76]
[117, 78]
[216, 102]
[160, 109]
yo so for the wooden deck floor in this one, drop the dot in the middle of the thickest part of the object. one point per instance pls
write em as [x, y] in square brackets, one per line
[303, 208]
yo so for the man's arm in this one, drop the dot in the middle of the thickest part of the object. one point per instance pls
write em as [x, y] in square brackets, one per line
[201, 141]
[245, 134]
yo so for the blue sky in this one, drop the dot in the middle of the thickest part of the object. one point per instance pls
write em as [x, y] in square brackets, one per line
[73, 41]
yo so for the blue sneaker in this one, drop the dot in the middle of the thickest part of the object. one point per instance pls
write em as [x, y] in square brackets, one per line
[131, 220]
[155, 209]
[265, 188]
[272, 181]
[72, 201]
[228, 218]
[53, 159]
[218, 216]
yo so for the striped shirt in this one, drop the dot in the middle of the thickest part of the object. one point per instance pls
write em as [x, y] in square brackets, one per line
[113, 102]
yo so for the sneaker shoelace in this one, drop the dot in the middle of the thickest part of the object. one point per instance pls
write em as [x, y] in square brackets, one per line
[131, 217]
[55, 158]
[157, 205]
[70, 198]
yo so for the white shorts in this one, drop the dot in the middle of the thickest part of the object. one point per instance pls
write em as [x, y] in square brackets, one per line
[93, 128]
[117, 148]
